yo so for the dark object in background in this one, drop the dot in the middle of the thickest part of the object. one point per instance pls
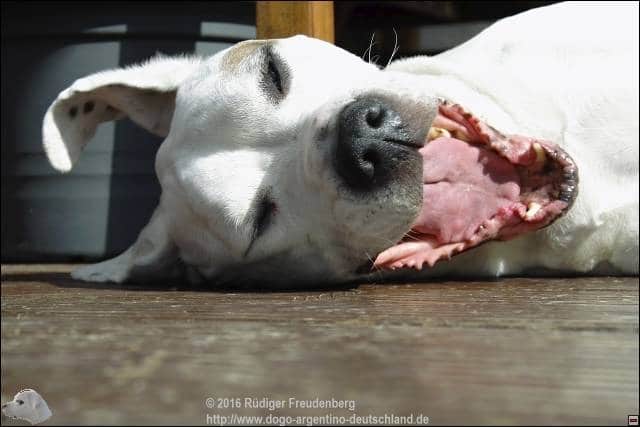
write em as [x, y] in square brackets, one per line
[422, 27]
[98, 209]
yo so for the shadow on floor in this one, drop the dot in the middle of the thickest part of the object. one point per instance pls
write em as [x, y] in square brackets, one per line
[64, 280]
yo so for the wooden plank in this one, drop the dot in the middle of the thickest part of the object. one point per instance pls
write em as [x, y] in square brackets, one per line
[513, 351]
[279, 19]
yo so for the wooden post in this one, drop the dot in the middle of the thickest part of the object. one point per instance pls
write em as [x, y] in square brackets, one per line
[278, 19]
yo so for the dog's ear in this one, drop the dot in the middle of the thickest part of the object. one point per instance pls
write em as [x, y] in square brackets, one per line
[34, 399]
[145, 93]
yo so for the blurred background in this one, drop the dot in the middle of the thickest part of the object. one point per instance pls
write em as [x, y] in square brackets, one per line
[97, 210]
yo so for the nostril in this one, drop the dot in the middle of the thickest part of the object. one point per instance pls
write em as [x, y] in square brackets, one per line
[371, 156]
[374, 116]
[370, 160]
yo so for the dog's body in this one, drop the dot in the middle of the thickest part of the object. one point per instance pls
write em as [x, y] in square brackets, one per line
[579, 89]
[251, 146]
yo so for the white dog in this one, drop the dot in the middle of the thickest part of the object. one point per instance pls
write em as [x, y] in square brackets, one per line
[294, 162]
[27, 405]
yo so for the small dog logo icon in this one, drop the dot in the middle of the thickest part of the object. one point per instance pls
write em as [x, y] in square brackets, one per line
[27, 405]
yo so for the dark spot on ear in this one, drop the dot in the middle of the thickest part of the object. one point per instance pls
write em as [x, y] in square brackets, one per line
[110, 109]
[88, 107]
[73, 112]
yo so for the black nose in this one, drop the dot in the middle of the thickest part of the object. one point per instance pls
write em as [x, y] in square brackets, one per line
[371, 137]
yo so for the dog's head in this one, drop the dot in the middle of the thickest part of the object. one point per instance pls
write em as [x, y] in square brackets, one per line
[288, 161]
[283, 159]
[27, 405]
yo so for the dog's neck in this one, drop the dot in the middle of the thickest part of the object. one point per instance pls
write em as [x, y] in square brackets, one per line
[41, 415]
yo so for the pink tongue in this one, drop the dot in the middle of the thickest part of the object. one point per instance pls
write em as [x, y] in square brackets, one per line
[463, 186]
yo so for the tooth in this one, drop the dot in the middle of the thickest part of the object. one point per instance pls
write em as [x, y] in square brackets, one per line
[532, 210]
[457, 134]
[541, 157]
[435, 133]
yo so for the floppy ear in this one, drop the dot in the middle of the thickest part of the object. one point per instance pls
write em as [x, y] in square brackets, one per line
[34, 399]
[145, 93]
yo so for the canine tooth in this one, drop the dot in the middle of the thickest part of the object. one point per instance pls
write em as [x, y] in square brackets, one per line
[541, 157]
[435, 133]
[532, 210]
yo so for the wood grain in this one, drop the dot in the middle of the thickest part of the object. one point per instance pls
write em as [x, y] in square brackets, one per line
[513, 351]
[279, 19]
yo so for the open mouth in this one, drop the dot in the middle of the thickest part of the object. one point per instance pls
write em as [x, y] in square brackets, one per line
[480, 185]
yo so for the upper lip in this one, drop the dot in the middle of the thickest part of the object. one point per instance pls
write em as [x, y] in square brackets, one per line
[406, 142]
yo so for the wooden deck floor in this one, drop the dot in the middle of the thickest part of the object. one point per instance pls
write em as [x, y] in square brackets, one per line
[514, 351]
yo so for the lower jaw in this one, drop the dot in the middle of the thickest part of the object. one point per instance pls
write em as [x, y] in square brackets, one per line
[512, 185]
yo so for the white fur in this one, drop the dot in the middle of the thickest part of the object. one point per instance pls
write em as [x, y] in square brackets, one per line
[27, 405]
[567, 73]
[550, 74]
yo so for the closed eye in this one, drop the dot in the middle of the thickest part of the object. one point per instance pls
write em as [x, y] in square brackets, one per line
[275, 75]
[263, 218]
[264, 215]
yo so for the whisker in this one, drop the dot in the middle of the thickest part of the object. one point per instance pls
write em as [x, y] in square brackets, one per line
[408, 235]
[395, 48]
[368, 51]
[374, 268]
